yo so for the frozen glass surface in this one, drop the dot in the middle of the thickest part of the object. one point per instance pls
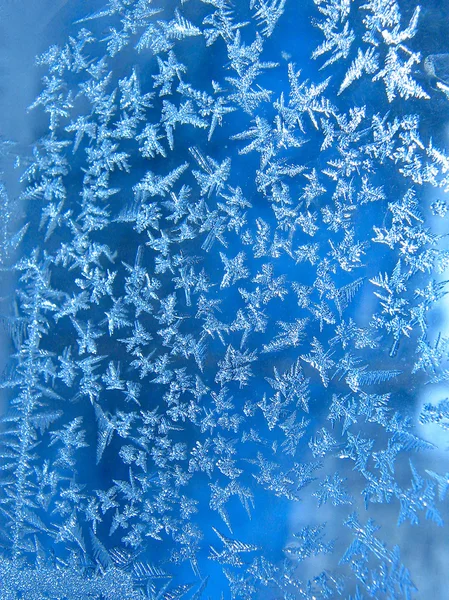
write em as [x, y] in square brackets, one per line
[224, 323]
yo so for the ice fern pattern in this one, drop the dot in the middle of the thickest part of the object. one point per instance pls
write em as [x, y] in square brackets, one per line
[229, 269]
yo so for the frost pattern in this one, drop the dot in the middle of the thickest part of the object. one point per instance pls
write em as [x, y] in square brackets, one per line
[188, 352]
